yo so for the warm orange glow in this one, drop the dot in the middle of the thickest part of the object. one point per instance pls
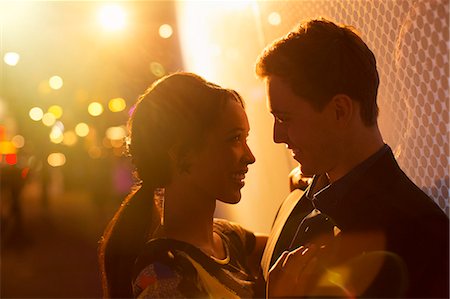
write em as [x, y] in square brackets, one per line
[274, 19]
[112, 17]
[56, 82]
[56, 135]
[56, 110]
[157, 69]
[7, 147]
[36, 113]
[165, 31]
[18, 141]
[117, 105]
[95, 108]
[11, 159]
[11, 58]
[116, 133]
[70, 138]
[82, 129]
[56, 159]
[95, 152]
[48, 119]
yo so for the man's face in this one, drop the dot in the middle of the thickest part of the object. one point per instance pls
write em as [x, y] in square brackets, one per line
[307, 132]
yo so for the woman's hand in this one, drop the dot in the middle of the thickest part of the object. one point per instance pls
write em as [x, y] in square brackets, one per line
[294, 274]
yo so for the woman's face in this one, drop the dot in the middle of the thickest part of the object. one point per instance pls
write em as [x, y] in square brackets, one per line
[219, 167]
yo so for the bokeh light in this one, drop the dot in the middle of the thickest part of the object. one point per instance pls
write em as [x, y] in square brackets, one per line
[11, 159]
[112, 17]
[116, 133]
[48, 119]
[56, 110]
[70, 138]
[157, 69]
[11, 58]
[56, 159]
[117, 105]
[94, 152]
[274, 18]
[55, 82]
[7, 147]
[165, 31]
[82, 129]
[18, 141]
[95, 109]
[36, 113]
[56, 135]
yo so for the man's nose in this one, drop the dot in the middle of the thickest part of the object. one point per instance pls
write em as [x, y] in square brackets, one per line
[250, 158]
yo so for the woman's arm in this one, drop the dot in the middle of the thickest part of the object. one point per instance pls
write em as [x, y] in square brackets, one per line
[255, 256]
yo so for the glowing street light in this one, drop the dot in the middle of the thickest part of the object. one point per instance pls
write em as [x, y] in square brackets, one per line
[112, 17]
[82, 129]
[165, 31]
[95, 108]
[36, 113]
[11, 58]
[56, 82]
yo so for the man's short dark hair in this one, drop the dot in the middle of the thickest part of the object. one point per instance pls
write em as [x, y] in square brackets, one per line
[320, 59]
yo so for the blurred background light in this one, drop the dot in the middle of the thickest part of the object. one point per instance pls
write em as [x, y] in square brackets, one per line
[274, 18]
[157, 69]
[165, 31]
[48, 119]
[7, 147]
[116, 133]
[94, 152]
[11, 58]
[18, 141]
[82, 129]
[112, 17]
[36, 113]
[55, 82]
[56, 159]
[56, 110]
[3, 108]
[95, 109]
[70, 138]
[117, 104]
[56, 135]
[11, 159]
[59, 125]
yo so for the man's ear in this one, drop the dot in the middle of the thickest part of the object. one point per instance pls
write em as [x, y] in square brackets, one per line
[344, 108]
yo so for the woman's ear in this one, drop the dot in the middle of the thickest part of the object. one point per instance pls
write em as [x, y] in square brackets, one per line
[344, 109]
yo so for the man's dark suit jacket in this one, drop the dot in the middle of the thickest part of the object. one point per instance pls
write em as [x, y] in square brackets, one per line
[383, 202]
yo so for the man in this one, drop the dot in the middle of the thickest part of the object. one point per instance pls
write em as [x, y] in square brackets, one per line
[362, 228]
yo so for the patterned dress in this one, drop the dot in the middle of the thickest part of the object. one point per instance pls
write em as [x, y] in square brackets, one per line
[170, 268]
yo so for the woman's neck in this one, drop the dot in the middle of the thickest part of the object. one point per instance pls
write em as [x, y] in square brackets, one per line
[188, 217]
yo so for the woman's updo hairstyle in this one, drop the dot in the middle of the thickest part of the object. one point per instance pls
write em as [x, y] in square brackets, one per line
[176, 110]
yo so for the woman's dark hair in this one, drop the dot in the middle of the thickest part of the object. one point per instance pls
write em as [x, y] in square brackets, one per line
[176, 111]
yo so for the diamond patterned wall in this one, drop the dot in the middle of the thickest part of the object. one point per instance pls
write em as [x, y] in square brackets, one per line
[411, 42]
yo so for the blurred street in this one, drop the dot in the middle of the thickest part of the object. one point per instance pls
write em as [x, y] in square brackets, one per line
[55, 256]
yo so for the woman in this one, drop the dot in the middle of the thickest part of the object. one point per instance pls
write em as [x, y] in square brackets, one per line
[188, 143]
